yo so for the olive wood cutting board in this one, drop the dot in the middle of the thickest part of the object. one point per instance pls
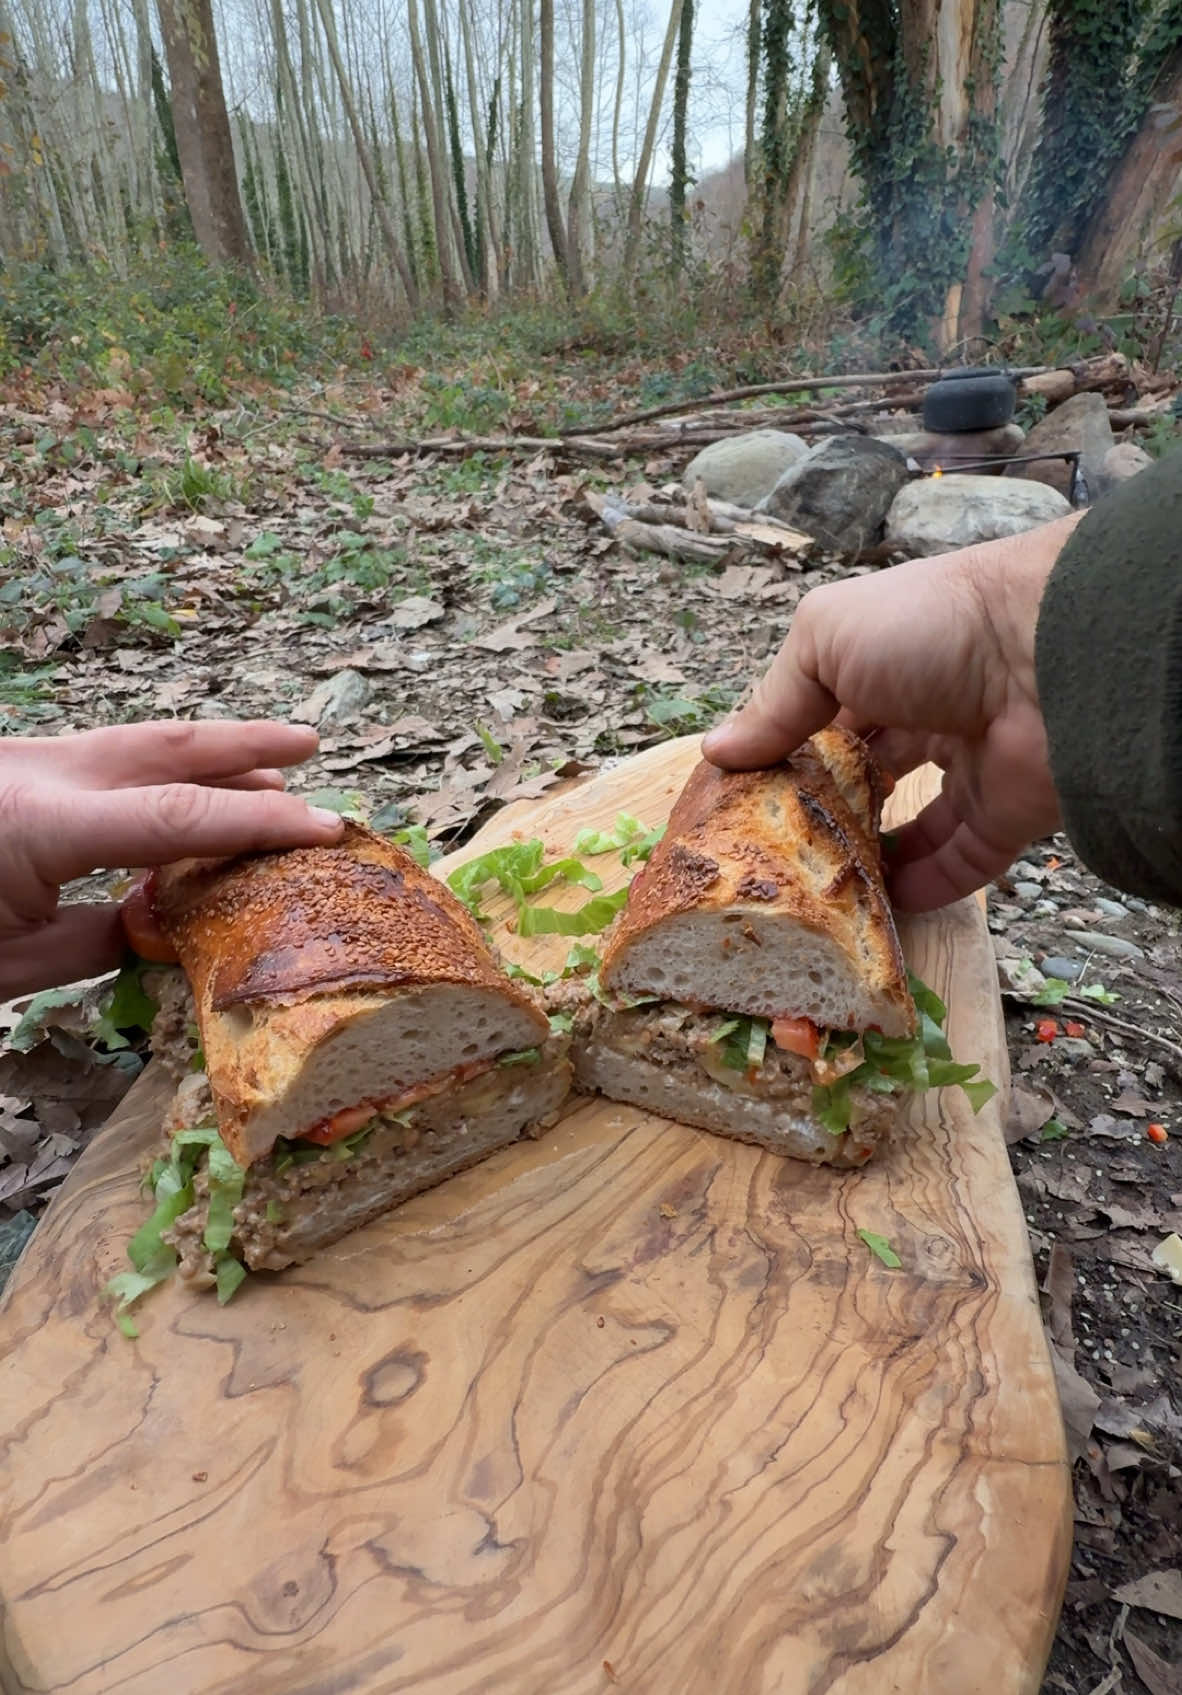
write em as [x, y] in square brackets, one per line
[629, 1407]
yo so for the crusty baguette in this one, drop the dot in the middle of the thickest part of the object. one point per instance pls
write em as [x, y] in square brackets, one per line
[328, 976]
[766, 897]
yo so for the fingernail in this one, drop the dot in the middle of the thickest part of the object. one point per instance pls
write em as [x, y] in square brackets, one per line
[324, 815]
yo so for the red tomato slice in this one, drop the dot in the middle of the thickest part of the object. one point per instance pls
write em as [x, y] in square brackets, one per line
[144, 935]
[797, 1035]
[344, 1123]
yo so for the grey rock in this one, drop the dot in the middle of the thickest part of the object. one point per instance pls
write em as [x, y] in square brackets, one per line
[1080, 424]
[939, 514]
[1046, 909]
[1020, 977]
[1121, 462]
[930, 449]
[1070, 970]
[1115, 947]
[1110, 908]
[1028, 891]
[745, 468]
[840, 491]
[335, 701]
[419, 659]
[213, 708]
[1135, 904]
[1073, 1047]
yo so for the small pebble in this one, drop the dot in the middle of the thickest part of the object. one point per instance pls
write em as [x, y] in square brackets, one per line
[1134, 904]
[1074, 1047]
[1045, 909]
[1070, 970]
[1030, 891]
[1114, 947]
[1111, 908]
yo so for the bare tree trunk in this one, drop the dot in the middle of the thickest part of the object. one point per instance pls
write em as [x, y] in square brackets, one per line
[618, 106]
[1140, 186]
[203, 136]
[549, 164]
[578, 213]
[797, 195]
[754, 54]
[644, 163]
[435, 165]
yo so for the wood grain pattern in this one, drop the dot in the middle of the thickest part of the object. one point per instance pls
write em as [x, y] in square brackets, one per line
[629, 1407]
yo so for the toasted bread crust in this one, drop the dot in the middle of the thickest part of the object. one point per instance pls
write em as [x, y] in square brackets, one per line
[285, 950]
[799, 841]
[280, 928]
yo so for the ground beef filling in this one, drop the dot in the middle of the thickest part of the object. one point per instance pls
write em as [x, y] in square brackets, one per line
[285, 1184]
[174, 1030]
[675, 1036]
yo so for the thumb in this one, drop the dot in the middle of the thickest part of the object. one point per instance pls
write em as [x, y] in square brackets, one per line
[786, 707]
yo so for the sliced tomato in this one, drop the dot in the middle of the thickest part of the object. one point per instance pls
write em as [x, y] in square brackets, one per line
[797, 1035]
[144, 935]
[343, 1123]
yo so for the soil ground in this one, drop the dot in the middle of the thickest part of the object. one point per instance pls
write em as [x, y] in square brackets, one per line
[465, 632]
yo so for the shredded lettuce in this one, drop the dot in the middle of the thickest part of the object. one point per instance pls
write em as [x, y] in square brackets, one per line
[626, 830]
[896, 1063]
[643, 848]
[523, 1056]
[518, 870]
[757, 1043]
[879, 1246]
[226, 1178]
[229, 1273]
[171, 1182]
[746, 1042]
[562, 1023]
[582, 956]
[587, 920]
[512, 969]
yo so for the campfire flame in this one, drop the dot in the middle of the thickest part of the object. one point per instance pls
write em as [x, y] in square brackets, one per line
[937, 471]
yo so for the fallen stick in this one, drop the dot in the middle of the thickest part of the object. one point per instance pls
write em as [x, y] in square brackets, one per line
[787, 385]
[464, 446]
[674, 543]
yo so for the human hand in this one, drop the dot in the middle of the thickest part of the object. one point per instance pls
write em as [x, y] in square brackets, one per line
[140, 794]
[932, 660]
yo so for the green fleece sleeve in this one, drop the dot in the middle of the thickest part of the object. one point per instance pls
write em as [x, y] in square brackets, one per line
[1109, 664]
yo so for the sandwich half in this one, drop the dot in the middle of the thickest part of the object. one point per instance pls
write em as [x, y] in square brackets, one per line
[754, 984]
[358, 1043]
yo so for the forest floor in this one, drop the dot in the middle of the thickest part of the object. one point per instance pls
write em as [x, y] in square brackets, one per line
[467, 633]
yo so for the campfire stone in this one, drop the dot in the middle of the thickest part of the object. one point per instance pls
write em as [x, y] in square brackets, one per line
[1080, 425]
[840, 491]
[930, 449]
[939, 514]
[1120, 463]
[745, 468]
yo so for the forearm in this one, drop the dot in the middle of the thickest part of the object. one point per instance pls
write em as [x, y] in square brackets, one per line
[1109, 674]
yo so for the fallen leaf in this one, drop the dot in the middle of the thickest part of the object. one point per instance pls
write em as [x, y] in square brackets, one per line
[1158, 1591]
[1079, 1403]
[415, 611]
[1158, 1675]
[1133, 1106]
[741, 582]
[1167, 1257]
[1030, 1109]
